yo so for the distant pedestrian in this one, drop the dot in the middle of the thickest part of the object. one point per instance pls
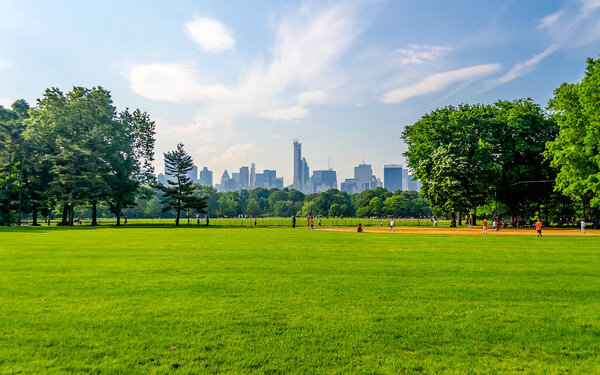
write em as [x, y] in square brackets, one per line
[319, 221]
[125, 221]
[293, 221]
[484, 226]
[198, 219]
[311, 223]
[582, 226]
[392, 225]
[538, 227]
[434, 221]
[359, 229]
[255, 222]
[206, 220]
[494, 225]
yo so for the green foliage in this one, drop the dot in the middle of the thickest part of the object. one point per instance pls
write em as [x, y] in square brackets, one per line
[576, 151]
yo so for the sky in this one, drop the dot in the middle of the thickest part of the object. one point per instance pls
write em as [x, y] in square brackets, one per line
[237, 81]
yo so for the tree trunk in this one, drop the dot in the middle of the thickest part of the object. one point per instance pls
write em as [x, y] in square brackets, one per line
[453, 219]
[34, 216]
[65, 214]
[178, 215]
[71, 214]
[118, 214]
[474, 217]
[94, 212]
[19, 207]
[459, 217]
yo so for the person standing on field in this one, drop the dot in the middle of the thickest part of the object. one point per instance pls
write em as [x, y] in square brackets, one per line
[206, 220]
[582, 225]
[494, 225]
[255, 222]
[311, 223]
[484, 226]
[293, 221]
[538, 227]
[392, 225]
[198, 219]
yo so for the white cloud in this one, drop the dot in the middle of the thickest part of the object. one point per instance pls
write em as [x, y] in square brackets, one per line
[4, 64]
[589, 6]
[286, 113]
[210, 34]
[417, 54]
[274, 136]
[301, 71]
[550, 19]
[6, 102]
[234, 153]
[173, 82]
[525, 67]
[206, 150]
[439, 81]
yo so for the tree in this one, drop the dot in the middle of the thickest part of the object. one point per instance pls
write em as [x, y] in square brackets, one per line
[180, 192]
[376, 206]
[576, 151]
[395, 205]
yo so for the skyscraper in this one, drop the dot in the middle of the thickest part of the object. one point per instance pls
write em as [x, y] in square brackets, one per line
[392, 177]
[193, 173]
[252, 177]
[405, 179]
[244, 178]
[206, 177]
[324, 180]
[298, 180]
[363, 174]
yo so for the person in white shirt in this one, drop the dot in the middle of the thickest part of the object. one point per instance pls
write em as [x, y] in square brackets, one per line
[582, 226]
[392, 225]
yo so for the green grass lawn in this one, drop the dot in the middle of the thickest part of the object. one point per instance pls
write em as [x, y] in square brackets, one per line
[277, 300]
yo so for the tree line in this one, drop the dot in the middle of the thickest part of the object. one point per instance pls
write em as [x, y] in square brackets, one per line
[513, 156]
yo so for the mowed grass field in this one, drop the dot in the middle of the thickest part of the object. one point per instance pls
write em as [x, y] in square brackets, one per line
[279, 300]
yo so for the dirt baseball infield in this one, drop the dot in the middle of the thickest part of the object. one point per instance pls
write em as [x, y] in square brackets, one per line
[473, 231]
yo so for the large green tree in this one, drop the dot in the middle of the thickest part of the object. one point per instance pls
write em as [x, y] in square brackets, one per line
[575, 152]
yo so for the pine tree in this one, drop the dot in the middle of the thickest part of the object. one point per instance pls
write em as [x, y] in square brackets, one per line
[180, 189]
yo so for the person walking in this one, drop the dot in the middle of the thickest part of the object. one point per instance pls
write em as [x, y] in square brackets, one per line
[582, 225]
[319, 221]
[206, 220]
[392, 225]
[311, 224]
[293, 221]
[484, 226]
[494, 225]
[538, 227]
[254, 222]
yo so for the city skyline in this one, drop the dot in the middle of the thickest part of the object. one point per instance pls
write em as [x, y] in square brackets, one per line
[236, 83]
[396, 177]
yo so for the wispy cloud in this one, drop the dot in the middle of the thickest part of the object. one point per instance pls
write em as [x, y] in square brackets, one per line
[301, 72]
[173, 82]
[439, 81]
[576, 25]
[421, 54]
[550, 19]
[234, 153]
[523, 68]
[209, 34]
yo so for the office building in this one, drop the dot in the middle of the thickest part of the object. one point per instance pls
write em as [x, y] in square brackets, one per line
[363, 173]
[206, 177]
[193, 173]
[404, 179]
[324, 180]
[392, 177]
[244, 178]
[350, 186]
[252, 176]
[301, 171]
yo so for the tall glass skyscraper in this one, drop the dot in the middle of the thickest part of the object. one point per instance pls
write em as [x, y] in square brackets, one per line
[392, 177]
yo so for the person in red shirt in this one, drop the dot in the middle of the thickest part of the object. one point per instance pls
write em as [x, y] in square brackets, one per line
[538, 227]
[484, 226]
[359, 229]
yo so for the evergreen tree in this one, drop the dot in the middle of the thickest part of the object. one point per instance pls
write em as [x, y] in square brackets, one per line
[180, 189]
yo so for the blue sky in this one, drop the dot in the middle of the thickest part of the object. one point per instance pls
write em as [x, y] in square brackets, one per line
[237, 81]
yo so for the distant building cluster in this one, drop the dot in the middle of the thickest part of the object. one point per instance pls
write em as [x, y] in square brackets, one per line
[395, 177]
